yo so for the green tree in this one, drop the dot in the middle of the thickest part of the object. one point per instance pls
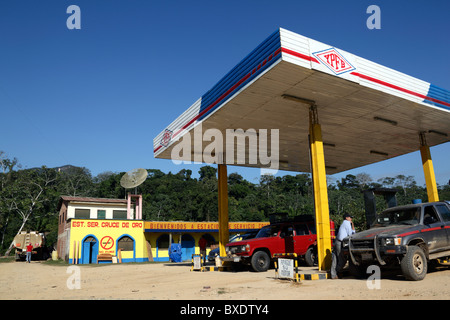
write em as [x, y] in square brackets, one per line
[76, 182]
[26, 195]
[106, 185]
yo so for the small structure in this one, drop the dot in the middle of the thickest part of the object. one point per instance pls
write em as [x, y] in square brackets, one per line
[92, 226]
[133, 179]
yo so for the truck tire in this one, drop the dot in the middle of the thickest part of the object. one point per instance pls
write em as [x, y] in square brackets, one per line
[310, 257]
[414, 264]
[260, 261]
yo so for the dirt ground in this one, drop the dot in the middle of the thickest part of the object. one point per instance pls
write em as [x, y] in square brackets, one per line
[163, 281]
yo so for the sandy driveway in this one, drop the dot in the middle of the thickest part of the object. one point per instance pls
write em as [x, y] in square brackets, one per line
[19, 280]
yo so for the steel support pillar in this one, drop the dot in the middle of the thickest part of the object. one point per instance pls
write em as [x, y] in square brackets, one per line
[428, 169]
[320, 193]
[223, 208]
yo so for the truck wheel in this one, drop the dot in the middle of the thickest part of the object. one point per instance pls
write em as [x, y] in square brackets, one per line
[310, 257]
[414, 264]
[260, 261]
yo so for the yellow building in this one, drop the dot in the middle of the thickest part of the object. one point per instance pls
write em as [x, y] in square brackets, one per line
[89, 227]
[160, 234]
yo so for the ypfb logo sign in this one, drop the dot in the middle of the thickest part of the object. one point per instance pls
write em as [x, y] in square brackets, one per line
[167, 136]
[332, 59]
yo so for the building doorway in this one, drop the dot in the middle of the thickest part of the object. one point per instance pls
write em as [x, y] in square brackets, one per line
[90, 250]
[162, 248]
[187, 247]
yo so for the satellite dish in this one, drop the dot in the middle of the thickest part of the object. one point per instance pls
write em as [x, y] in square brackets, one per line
[133, 178]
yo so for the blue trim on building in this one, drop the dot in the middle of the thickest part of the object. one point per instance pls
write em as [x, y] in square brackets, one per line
[196, 230]
[161, 259]
[125, 260]
[182, 230]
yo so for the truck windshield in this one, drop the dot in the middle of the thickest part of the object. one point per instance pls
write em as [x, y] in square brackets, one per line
[267, 231]
[408, 216]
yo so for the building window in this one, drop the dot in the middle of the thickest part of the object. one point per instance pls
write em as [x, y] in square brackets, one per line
[119, 214]
[82, 213]
[444, 211]
[125, 243]
[163, 242]
[101, 214]
[90, 239]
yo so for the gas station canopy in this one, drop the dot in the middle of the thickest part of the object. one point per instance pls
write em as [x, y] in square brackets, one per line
[312, 108]
[368, 112]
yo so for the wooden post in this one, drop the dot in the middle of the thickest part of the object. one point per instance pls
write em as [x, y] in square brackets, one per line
[149, 250]
[119, 255]
[74, 250]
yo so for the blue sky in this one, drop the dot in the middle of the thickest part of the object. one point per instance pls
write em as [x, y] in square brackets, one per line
[96, 97]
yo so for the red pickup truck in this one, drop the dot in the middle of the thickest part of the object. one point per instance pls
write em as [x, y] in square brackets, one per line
[283, 237]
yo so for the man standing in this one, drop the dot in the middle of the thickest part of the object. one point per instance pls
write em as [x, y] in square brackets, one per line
[347, 229]
[29, 251]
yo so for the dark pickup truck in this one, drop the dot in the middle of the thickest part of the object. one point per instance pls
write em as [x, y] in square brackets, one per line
[410, 236]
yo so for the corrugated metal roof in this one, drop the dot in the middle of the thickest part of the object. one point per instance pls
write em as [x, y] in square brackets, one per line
[89, 199]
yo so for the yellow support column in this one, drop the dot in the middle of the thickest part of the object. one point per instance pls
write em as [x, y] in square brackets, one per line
[320, 194]
[428, 170]
[223, 208]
